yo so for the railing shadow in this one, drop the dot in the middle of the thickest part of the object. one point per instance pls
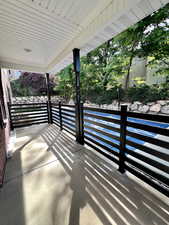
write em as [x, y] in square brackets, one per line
[31, 137]
[113, 197]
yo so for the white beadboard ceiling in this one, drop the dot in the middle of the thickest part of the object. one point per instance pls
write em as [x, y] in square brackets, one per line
[50, 29]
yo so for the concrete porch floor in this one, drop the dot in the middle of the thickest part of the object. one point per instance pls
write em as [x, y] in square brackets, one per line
[51, 180]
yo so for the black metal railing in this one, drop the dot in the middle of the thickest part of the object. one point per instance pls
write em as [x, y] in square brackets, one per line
[137, 143]
[22, 115]
[147, 149]
[64, 117]
[101, 131]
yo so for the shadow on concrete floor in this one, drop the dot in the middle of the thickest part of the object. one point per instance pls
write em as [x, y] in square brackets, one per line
[59, 182]
[112, 196]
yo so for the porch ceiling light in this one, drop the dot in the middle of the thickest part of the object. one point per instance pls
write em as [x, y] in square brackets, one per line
[27, 50]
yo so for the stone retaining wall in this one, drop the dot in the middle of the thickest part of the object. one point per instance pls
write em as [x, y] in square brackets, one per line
[158, 107]
[35, 99]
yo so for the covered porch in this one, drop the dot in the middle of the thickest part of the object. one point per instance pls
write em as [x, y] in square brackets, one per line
[53, 180]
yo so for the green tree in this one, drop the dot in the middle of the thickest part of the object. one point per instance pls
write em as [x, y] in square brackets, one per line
[104, 69]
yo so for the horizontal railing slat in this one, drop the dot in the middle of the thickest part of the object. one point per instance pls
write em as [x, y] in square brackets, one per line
[108, 119]
[156, 118]
[102, 146]
[148, 161]
[27, 104]
[106, 154]
[56, 123]
[101, 139]
[28, 121]
[68, 110]
[66, 122]
[151, 140]
[66, 114]
[29, 117]
[55, 114]
[102, 132]
[69, 128]
[152, 129]
[67, 118]
[30, 114]
[71, 106]
[36, 123]
[115, 129]
[148, 171]
[26, 111]
[55, 108]
[146, 179]
[56, 117]
[149, 150]
[28, 108]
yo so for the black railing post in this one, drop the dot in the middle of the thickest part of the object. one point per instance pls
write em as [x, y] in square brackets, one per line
[122, 138]
[60, 115]
[79, 114]
[10, 117]
[48, 111]
[81, 125]
[49, 105]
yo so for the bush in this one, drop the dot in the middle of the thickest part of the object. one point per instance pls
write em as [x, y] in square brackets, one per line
[98, 96]
[145, 93]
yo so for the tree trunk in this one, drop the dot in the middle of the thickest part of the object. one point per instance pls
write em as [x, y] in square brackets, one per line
[128, 73]
[130, 64]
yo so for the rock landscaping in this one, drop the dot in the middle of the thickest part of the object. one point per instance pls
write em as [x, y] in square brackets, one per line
[158, 107]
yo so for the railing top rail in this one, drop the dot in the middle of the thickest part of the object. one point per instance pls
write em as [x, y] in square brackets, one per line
[22, 104]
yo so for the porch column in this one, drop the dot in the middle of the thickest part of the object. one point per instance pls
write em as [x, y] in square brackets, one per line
[49, 99]
[78, 105]
[48, 87]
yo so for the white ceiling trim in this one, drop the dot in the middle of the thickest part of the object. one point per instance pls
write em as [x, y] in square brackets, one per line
[22, 67]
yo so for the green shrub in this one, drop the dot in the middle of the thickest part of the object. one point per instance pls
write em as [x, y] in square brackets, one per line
[145, 93]
[102, 97]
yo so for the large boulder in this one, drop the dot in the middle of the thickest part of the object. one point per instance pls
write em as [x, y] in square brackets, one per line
[151, 103]
[138, 103]
[71, 102]
[155, 108]
[162, 102]
[143, 108]
[165, 109]
[134, 107]
[110, 106]
[115, 107]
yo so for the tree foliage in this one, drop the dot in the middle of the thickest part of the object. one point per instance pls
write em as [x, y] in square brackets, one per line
[30, 84]
[104, 68]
